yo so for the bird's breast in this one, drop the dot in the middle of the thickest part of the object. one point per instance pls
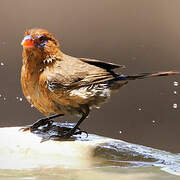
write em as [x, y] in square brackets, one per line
[31, 89]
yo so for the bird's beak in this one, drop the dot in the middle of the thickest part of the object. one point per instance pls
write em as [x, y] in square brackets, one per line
[28, 42]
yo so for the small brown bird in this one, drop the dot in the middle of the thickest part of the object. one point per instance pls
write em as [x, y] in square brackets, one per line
[58, 84]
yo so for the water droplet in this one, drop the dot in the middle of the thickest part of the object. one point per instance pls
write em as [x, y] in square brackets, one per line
[2, 64]
[153, 121]
[4, 98]
[139, 109]
[176, 83]
[17, 97]
[120, 132]
[0, 95]
[32, 106]
[175, 106]
[174, 92]
[20, 99]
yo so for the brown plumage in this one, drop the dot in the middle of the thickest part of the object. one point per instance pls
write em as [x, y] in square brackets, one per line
[56, 83]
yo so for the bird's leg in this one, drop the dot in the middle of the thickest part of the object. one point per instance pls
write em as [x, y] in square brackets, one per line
[72, 131]
[40, 122]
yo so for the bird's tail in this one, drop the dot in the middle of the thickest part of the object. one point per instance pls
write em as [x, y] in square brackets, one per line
[146, 75]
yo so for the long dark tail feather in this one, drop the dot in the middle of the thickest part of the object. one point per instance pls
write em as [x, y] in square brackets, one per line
[146, 75]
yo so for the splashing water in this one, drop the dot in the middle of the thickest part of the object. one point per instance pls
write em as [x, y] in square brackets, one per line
[175, 106]
[175, 92]
[2, 64]
[19, 98]
[175, 83]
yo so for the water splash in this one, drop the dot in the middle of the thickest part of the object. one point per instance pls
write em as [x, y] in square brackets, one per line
[19, 98]
[175, 106]
[175, 92]
[175, 83]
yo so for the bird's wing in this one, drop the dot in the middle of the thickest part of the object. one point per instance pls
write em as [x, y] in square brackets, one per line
[102, 64]
[73, 73]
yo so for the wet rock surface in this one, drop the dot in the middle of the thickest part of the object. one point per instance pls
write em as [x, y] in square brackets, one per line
[78, 152]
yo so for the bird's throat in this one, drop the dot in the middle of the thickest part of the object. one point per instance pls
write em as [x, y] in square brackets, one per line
[32, 61]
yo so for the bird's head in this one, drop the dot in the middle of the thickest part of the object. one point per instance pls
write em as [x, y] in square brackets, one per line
[40, 43]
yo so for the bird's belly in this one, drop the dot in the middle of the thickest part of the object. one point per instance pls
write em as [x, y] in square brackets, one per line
[93, 95]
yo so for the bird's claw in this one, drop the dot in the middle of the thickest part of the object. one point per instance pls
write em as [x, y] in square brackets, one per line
[85, 133]
[24, 129]
[66, 136]
[36, 125]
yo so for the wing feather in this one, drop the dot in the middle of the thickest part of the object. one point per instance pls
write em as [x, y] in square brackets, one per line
[102, 64]
[73, 73]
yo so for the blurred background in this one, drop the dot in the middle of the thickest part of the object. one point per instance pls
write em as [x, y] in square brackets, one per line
[143, 35]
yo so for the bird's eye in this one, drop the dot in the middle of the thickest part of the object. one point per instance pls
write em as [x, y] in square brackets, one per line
[41, 41]
[42, 38]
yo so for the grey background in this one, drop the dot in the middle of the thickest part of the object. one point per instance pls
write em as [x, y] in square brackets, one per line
[142, 34]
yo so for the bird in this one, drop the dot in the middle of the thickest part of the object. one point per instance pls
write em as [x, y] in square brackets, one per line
[58, 84]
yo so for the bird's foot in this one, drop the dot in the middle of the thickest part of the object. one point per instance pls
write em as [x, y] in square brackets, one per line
[70, 133]
[50, 130]
[40, 123]
[62, 132]
[27, 128]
